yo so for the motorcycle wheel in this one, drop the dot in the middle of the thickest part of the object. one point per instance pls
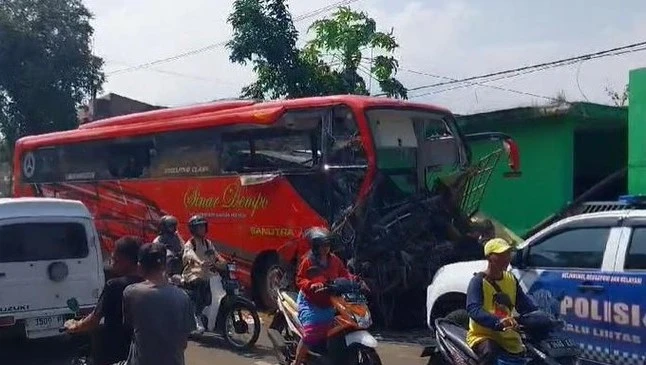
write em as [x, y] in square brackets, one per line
[362, 355]
[286, 355]
[234, 324]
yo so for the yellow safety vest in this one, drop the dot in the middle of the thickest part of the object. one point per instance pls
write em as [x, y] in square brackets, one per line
[508, 340]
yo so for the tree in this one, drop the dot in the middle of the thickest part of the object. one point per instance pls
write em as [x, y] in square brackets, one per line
[559, 99]
[264, 35]
[344, 37]
[46, 65]
[619, 99]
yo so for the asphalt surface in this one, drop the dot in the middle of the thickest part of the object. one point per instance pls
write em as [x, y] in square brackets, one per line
[399, 349]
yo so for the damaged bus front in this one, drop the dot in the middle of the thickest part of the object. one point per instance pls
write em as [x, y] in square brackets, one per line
[417, 213]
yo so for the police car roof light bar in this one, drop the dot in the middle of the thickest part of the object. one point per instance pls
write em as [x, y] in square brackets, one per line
[633, 200]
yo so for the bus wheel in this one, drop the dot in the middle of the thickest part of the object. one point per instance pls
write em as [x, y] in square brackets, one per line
[270, 282]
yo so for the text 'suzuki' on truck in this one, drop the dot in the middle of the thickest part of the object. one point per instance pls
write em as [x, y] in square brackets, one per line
[394, 178]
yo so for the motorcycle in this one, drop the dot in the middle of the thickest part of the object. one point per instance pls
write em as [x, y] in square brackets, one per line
[539, 331]
[226, 312]
[83, 352]
[348, 341]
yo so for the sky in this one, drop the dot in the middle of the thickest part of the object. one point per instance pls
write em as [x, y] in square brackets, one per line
[446, 38]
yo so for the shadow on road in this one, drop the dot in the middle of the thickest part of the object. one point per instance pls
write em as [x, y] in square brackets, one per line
[258, 352]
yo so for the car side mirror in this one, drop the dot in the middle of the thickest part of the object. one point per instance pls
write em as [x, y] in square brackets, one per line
[517, 259]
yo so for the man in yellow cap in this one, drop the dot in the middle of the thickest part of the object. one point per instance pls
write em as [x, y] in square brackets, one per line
[491, 298]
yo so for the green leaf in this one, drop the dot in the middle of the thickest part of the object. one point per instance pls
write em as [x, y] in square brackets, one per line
[264, 35]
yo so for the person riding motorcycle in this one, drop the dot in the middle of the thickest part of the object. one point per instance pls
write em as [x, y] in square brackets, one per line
[114, 337]
[170, 238]
[315, 311]
[200, 259]
[492, 296]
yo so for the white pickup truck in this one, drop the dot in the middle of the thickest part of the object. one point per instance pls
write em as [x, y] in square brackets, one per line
[589, 270]
[49, 254]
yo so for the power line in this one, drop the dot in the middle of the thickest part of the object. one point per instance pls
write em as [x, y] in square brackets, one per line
[209, 47]
[174, 73]
[533, 68]
[503, 75]
[474, 83]
[480, 84]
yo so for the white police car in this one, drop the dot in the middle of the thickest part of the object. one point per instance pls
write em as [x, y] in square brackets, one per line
[589, 270]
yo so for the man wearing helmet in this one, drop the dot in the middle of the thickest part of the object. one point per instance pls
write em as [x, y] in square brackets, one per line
[174, 244]
[315, 310]
[168, 235]
[199, 259]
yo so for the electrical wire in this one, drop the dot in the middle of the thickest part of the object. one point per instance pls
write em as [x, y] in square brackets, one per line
[507, 74]
[210, 47]
[178, 74]
[481, 84]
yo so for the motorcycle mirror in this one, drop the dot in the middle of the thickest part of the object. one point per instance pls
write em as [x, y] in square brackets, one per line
[74, 305]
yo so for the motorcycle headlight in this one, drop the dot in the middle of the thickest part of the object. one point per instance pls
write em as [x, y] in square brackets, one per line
[364, 321]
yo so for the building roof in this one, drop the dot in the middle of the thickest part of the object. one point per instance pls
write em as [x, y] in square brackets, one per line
[580, 111]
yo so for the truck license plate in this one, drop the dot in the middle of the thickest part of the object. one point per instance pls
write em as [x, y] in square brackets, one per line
[44, 323]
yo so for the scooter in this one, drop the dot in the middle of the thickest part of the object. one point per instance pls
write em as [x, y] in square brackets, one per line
[83, 354]
[348, 342]
[229, 313]
[541, 335]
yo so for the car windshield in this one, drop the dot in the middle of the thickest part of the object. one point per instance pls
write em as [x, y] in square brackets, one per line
[398, 135]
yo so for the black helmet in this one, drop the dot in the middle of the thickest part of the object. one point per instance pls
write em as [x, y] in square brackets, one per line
[167, 224]
[317, 237]
[195, 221]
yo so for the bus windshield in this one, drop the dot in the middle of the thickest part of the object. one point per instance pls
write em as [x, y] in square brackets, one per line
[408, 141]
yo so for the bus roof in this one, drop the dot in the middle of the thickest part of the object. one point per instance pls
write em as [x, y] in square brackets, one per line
[197, 116]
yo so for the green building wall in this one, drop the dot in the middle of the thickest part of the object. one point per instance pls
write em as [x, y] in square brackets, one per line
[637, 136]
[564, 150]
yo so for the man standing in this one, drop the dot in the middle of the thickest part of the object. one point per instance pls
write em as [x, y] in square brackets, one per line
[114, 338]
[492, 296]
[160, 314]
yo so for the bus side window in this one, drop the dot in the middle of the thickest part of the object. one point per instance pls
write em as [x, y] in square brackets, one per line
[84, 161]
[236, 154]
[269, 149]
[130, 159]
[186, 153]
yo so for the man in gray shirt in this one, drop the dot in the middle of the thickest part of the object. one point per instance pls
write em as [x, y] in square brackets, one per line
[160, 314]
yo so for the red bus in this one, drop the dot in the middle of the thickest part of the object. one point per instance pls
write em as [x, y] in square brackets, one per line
[260, 172]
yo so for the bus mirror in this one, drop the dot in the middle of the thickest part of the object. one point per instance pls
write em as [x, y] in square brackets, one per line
[513, 156]
[509, 145]
[248, 180]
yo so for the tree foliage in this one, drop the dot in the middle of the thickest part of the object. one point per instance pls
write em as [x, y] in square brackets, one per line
[46, 65]
[344, 37]
[618, 98]
[264, 36]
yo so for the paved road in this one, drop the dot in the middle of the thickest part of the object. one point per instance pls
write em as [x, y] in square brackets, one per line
[401, 349]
